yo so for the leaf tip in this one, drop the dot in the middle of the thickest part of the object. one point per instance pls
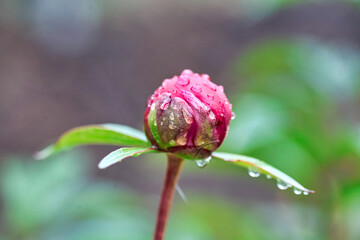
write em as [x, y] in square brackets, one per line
[45, 153]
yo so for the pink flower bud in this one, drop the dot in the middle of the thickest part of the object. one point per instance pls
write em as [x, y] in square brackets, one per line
[188, 115]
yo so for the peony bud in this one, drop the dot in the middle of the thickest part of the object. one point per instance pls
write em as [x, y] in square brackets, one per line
[188, 115]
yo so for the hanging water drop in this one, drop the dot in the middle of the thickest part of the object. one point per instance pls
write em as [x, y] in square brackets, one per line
[282, 185]
[203, 162]
[233, 115]
[254, 172]
[297, 191]
[305, 193]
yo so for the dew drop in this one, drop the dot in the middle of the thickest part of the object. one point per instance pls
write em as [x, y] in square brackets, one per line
[165, 104]
[233, 115]
[161, 123]
[297, 191]
[174, 91]
[183, 80]
[221, 88]
[305, 193]
[187, 71]
[268, 176]
[181, 140]
[187, 116]
[201, 163]
[210, 96]
[155, 123]
[254, 172]
[211, 115]
[172, 125]
[196, 88]
[281, 185]
[205, 76]
[171, 116]
[153, 106]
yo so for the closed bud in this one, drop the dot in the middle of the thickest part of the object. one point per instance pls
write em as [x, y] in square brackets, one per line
[188, 115]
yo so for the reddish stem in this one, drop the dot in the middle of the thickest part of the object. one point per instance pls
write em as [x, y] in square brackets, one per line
[171, 178]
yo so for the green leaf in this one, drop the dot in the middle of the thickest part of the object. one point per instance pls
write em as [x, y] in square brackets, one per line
[256, 166]
[121, 153]
[103, 134]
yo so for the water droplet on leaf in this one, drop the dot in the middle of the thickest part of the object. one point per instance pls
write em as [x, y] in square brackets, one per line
[282, 185]
[297, 191]
[254, 172]
[268, 176]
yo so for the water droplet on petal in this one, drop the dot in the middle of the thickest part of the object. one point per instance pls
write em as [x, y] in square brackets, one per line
[187, 71]
[205, 76]
[211, 115]
[181, 140]
[172, 125]
[305, 193]
[254, 172]
[174, 91]
[187, 116]
[203, 162]
[165, 104]
[153, 106]
[221, 88]
[282, 185]
[233, 115]
[161, 123]
[210, 96]
[183, 80]
[196, 88]
[297, 191]
[171, 116]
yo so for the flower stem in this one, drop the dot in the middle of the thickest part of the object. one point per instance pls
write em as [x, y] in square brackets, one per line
[172, 175]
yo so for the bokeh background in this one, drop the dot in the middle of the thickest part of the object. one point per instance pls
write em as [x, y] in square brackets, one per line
[291, 68]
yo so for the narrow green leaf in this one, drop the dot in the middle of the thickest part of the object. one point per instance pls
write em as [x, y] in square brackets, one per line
[256, 166]
[121, 153]
[103, 134]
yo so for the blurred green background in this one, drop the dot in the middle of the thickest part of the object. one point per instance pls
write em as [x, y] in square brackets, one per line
[290, 68]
